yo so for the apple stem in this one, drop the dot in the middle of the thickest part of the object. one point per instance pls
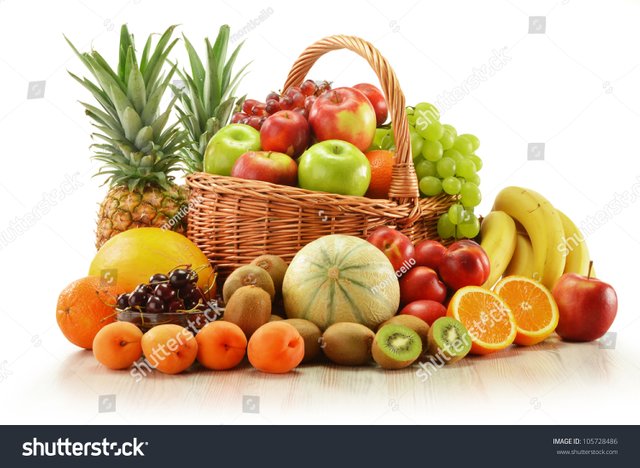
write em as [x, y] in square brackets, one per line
[590, 268]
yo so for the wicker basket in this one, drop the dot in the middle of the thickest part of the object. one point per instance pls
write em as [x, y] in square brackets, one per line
[235, 220]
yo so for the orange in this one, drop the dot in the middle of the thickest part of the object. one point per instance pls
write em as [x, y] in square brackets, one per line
[117, 345]
[169, 348]
[381, 162]
[490, 322]
[221, 345]
[533, 307]
[131, 257]
[84, 307]
[276, 348]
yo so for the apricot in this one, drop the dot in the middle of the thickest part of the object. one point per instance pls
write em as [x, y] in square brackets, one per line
[169, 348]
[221, 345]
[117, 345]
[276, 348]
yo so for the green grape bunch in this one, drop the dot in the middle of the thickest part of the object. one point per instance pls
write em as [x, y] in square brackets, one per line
[445, 162]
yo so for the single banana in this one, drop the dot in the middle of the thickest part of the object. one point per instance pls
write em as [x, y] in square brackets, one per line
[522, 261]
[556, 258]
[498, 234]
[543, 226]
[576, 248]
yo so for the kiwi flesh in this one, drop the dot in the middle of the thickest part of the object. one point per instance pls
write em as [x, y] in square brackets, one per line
[275, 266]
[449, 340]
[416, 324]
[310, 335]
[348, 344]
[248, 275]
[249, 308]
[396, 346]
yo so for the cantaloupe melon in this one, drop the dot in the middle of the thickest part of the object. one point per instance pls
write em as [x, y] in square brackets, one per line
[341, 278]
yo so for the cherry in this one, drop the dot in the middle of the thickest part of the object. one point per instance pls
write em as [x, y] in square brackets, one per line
[179, 277]
[165, 291]
[155, 305]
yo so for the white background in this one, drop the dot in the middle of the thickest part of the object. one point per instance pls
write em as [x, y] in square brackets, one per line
[573, 87]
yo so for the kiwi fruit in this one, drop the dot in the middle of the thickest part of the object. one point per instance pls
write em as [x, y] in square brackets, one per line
[275, 266]
[348, 344]
[310, 335]
[396, 346]
[449, 340]
[248, 275]
[249, 308]
[416, 324]
[275, 318]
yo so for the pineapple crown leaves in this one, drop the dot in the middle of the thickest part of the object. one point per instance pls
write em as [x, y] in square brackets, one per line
[136, 145]
[208, 97]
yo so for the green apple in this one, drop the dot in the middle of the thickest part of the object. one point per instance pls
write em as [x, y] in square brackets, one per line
[228, 145]
[334, 166]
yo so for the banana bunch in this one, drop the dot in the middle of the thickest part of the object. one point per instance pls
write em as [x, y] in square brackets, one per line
[526, 235]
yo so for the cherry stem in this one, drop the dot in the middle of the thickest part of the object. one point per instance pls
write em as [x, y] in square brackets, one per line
[590, 268]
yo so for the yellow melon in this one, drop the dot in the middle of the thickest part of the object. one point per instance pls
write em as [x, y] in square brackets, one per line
[131, 257]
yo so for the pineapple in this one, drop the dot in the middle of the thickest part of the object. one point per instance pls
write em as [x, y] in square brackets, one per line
[139, 151]
[207, 100]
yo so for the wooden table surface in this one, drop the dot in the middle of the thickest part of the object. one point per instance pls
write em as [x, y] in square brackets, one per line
[551, 383]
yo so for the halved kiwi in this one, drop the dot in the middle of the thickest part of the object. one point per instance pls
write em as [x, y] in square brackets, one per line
[396, 346]
[248, 275]
[449, 340]
[416, 324]
[348, 344]
[310, 335]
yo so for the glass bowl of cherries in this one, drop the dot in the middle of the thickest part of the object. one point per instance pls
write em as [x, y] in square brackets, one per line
[173, 298]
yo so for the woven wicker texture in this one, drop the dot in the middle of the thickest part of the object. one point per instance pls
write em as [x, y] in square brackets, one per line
[235, 220]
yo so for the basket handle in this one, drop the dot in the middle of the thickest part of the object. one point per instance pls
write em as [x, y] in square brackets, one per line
[404, 184]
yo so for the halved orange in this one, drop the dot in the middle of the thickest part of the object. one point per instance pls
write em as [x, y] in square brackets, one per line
[486, 316]
[533, 307]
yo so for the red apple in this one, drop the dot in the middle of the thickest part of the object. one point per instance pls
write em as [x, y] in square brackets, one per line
[587, 307]
[377, 100]
[268, 166]
[343, 114]
[464, 264]
[429, 311]
[285, 132]
[430, 253]
[396, 246]
[421, 283]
